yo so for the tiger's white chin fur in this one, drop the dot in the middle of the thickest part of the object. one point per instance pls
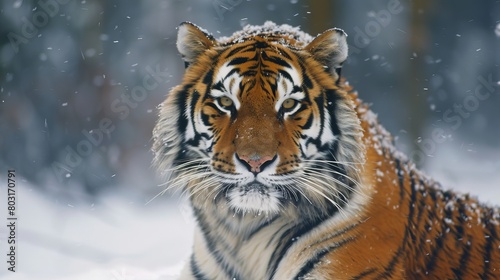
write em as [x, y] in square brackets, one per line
[255, 198]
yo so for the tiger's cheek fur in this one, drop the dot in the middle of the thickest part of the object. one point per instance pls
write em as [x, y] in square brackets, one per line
[291, 140]
[288, 151]
[218, 141]
[223, 152]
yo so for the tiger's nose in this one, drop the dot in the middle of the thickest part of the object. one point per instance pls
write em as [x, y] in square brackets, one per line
[255, 163]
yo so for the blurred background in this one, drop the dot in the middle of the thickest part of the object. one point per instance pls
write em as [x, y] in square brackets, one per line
[80, 81]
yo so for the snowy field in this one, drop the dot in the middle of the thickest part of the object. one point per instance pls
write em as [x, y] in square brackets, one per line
[116, 238]
[120, 237]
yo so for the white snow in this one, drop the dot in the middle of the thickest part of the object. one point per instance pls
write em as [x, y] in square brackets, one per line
[464, 170]
[268, 27]
[117, 237]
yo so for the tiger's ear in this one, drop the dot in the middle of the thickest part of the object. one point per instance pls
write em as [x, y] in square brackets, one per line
[329, 48]
[192, 41]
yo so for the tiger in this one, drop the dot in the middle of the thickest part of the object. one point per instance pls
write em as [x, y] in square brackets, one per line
[290, 175]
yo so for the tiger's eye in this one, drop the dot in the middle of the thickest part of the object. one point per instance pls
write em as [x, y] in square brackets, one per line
[225, 101]
[289, 103]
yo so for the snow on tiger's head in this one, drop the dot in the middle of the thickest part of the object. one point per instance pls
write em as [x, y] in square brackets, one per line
[260, 121]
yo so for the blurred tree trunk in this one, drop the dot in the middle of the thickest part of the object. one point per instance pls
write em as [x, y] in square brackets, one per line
[415, 95]
[322, 15]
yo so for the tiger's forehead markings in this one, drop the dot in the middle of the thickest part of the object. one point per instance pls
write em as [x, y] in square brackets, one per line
[229, 71]
[223, 72]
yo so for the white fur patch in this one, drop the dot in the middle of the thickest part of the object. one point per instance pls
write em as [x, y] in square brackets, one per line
[327, 135]
[226, 80]
[259, 199]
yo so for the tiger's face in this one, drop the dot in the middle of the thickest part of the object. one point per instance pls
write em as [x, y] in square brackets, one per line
[259, 123]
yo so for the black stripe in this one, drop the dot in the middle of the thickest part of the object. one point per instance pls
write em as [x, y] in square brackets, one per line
[269, 94]
[205, 119]
[234, 70]
[400, 174]
[251, 73]
[182, 120]
[219, 86]
[364, 274]
[278, 254]
[320, 101]
[461, 243]
[213, 106]
[275, 234]
[181, 103]
[296, 89]
[439, 242]
[195, 142]
[488, 246]
[418, 237]
[260, 45]
[431, 262]
[464, 258]
[260, 227]
[195, 270]
[306, 80]
[309, 265]
[237, 49]
[395, 260]
[210, 242]
[337, 233]
[194, 99]
[290, 235]
[331, 102]
[207, 79]
[339, 73]
[421, 203]
[286, 75]
[461, 218]
[284, 53]
[237, 60]
[277, 60]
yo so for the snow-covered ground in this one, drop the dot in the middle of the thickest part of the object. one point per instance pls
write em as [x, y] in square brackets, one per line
[120, 237]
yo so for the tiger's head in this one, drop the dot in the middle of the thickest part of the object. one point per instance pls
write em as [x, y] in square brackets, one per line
[261, 122]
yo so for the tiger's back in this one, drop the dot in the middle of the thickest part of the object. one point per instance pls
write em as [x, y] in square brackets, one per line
[291, 177]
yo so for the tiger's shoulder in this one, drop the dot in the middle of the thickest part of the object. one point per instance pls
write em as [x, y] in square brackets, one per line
[414, 226]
